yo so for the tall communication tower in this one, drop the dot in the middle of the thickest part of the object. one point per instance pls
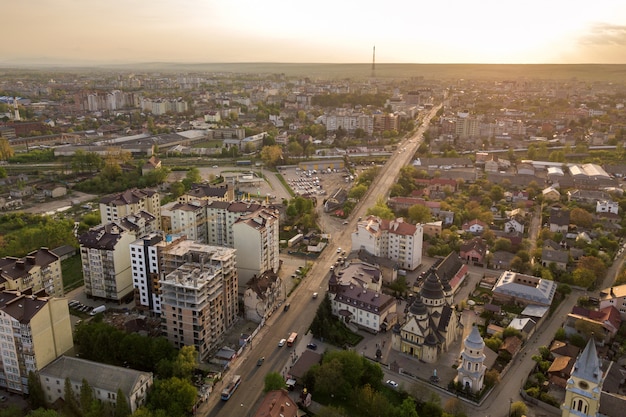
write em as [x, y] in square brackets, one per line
[374, 62]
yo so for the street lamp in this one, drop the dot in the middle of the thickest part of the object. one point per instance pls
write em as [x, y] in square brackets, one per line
[510, 404]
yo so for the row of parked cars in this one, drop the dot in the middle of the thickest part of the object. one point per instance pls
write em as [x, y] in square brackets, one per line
[78, 306]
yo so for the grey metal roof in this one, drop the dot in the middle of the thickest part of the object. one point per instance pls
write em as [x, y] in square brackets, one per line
[98, 375]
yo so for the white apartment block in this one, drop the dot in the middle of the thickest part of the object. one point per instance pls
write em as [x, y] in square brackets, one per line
[39, 270]
[116, 206]
[106, 261]
[199, 297]
[257, 244]
[145, 258]
[34, 332]
[392, 239]
[616, 297]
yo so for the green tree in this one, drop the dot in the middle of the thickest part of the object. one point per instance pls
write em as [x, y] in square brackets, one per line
[419, 214]
[186, 361]
[272, 155]
[36, 395]
[86, 397]
[6, 151]
[71, 404]
[273, 381]
[381, 210]
[518, 409]
[173, 395]
[122, 409]
[192, 177]
[581, 217]
[357, 192]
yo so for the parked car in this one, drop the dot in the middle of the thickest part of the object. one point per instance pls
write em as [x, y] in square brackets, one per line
[392, 383]
[286, 308]
[315, 295]
[3, 398]
[312, 346]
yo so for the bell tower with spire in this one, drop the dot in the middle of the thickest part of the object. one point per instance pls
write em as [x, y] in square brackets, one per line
[582, 393]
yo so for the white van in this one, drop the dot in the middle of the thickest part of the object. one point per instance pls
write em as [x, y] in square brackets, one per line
[99, 309]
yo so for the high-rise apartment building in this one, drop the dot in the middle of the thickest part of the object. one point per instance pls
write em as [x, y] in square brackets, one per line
[256, 240]
[393, 239]
[199, 296]
[34, 332]
[116, 206]
[106, 263]
[39, 270]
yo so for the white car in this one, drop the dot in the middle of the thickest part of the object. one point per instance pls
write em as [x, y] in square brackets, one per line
[392, 383]
[282, 342]
[338, 250]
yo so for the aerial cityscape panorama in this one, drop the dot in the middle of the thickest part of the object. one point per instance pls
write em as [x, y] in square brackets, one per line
[335, 209]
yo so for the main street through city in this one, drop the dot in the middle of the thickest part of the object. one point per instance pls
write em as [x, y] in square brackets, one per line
[303, 306]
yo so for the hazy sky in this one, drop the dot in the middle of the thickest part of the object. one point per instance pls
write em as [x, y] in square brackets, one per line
[442, 31]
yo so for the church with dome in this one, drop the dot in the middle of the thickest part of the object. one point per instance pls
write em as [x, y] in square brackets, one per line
[432, 323]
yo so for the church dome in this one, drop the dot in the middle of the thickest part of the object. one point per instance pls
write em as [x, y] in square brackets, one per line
[474, 341]
[430, 340]
[432, 288]
[418, 308]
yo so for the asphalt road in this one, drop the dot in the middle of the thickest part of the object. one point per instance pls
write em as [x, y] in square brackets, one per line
[303, 306]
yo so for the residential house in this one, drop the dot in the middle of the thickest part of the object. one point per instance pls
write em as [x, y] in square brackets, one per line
[473, 251]
[262, 295]
[559, 257]
[362, 307]
[513, 226]
[475, 226]
[525, 325]
[432, 229]
[603, 323]
[607, 206]
[616, 297]
[105, 381]
[152, 164]
[559, 220]
[277, 403]
[551, 194]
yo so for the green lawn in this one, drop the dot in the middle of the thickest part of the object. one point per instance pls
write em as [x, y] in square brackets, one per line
[72, 273]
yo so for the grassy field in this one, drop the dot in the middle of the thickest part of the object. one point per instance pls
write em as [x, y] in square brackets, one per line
[72, 273]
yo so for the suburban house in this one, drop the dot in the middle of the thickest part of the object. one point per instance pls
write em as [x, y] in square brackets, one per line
[559, 220]
[475, 226]
[473, 250]
[604, 323]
